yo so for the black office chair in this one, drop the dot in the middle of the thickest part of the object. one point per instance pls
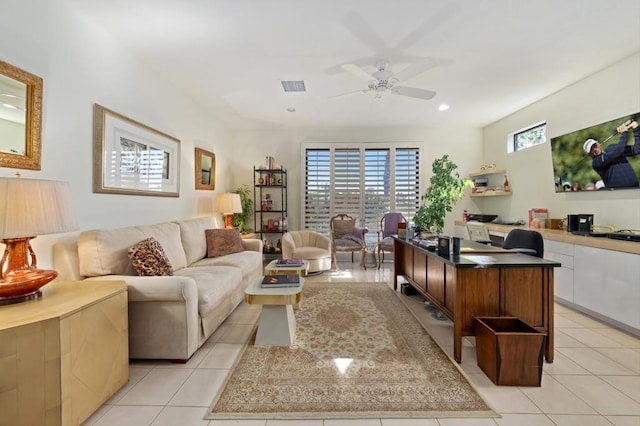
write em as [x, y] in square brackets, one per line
[525, 241]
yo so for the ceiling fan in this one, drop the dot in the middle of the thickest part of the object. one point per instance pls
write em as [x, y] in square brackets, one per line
[385, 81]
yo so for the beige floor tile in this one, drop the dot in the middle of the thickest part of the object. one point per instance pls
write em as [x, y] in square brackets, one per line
[629, 358]
[554, 398]
[156, 388]
[629, 385]
[624, 420]
[600, 395]
[200, 388]
[352, 422]
[625, 339]
[503, 399]
[562, 339]
[524, 420]
[467, 422]
[236, 333]
[181, 416]
[294, 422]
[594, 361]
[560, 321]
[136, 374]
[573, 420]
[237, 423]
[592, 339]
[123, 415]
[585, 320]
[562, 365]
[410, 422]
[97, 415]
[222, 355]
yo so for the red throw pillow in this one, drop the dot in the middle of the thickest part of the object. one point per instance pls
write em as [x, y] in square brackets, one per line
[221, 242]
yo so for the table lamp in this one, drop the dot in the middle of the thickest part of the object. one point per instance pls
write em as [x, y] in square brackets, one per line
[28, 208]
[228, 204]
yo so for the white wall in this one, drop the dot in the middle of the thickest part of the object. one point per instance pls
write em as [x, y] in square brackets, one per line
[80, 66]
[613, 92]
[463, 145]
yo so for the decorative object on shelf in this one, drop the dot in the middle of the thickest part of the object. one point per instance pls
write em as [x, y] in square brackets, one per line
[25, 90]
[260, 180]
[241, 220]
[205, 169]
[30, 207]
[506, 184]
[446, 188]
[228, 204]
[133, 159]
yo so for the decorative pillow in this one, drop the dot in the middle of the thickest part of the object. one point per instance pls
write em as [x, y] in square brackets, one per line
[149, 259]
[223, 241]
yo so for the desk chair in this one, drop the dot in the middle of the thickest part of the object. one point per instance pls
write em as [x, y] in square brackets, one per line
[525, 241]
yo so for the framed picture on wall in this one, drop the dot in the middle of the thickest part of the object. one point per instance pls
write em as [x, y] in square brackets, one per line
[133, 159]
[205, 169]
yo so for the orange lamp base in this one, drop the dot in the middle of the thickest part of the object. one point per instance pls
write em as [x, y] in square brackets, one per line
[227, 220]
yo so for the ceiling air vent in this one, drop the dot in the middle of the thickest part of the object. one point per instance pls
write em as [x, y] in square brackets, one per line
[294, 86]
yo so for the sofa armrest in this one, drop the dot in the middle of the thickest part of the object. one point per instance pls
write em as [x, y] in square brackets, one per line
[252, 244]
[157, 289]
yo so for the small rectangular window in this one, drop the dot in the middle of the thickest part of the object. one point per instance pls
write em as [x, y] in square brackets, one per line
[529, 137]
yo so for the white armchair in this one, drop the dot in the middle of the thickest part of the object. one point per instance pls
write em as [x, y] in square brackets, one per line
[310, 246]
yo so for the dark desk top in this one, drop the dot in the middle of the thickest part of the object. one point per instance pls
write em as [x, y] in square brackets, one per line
[477, 255]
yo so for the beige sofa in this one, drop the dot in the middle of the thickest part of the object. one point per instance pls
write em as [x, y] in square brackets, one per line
[170, 317]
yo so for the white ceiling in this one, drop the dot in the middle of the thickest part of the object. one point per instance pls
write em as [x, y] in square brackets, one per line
[502, 54]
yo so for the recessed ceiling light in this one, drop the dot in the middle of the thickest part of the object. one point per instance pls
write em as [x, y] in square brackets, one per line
[291, 109]
[443, 107]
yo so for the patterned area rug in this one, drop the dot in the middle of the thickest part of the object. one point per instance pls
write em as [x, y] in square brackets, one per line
[359, 352]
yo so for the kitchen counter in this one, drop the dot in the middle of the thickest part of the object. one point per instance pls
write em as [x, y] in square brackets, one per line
[563, 236]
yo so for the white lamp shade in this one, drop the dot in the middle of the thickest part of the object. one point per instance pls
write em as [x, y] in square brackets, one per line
[31, 207]
[229, 203]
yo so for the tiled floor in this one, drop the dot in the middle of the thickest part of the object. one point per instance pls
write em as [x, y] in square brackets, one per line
[594, 380]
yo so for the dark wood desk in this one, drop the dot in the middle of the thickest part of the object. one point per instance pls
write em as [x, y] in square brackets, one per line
[480, 282]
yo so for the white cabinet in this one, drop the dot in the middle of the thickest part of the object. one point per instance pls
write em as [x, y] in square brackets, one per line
[607, 282]
[563, 276]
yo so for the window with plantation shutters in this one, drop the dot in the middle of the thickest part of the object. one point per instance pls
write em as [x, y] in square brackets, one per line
[362, 180]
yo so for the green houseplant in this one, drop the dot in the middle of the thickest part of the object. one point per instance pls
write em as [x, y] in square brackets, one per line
[446, 187]
[240, 220]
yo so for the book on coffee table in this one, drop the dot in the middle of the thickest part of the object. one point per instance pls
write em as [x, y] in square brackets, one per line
[289, 262]
[275, 281]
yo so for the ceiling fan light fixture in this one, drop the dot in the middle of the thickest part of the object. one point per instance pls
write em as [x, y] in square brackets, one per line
[293, 85]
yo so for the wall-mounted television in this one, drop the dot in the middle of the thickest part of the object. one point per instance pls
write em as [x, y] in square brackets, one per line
[598, 157]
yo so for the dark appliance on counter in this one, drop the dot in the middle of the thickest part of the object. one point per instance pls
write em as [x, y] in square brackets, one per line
[579, 224]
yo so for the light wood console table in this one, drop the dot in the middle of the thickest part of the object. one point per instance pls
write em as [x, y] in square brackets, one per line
[64, 354]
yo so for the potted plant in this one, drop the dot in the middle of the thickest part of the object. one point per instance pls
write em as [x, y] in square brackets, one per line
[445, 189]
[240, 220]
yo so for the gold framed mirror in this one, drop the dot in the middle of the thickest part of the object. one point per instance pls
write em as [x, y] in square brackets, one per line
[20, 118]
[205, 169]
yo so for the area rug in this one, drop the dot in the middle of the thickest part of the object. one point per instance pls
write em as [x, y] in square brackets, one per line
[358, 353]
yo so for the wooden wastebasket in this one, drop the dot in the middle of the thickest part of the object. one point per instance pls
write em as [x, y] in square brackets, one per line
[509, 351]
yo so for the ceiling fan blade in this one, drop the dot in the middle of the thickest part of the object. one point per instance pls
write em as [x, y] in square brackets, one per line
[356, 92]
[358, 72]
[415, 69]
[413, 92]
[429, 25]
[363, 31]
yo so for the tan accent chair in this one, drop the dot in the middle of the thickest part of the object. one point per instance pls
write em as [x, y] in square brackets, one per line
[346, 237]
[388, 228]
[311, 246]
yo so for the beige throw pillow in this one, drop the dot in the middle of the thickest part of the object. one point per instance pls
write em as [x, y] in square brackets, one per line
[221, 242]
[149, 259]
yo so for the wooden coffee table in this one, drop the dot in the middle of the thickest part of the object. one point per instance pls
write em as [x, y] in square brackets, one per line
[277, 324]
[273, 269]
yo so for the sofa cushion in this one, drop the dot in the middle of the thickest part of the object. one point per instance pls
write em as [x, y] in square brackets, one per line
[214, 284]
[104, 251]
[248, 261]
[149, 259]
[193, 236]
[222, 242]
